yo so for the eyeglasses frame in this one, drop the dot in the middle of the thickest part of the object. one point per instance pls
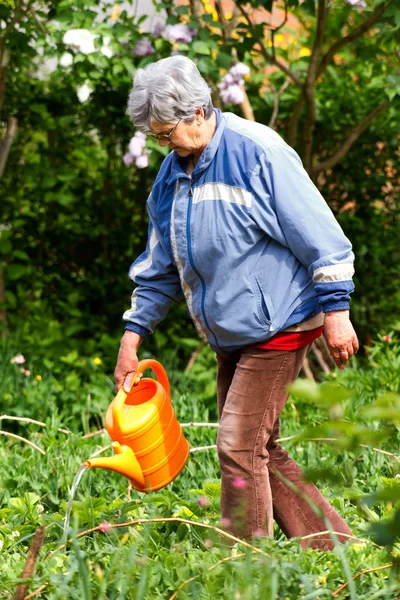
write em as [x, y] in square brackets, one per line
[165, 137]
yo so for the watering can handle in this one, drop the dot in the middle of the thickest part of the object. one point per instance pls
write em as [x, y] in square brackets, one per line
[121, 396]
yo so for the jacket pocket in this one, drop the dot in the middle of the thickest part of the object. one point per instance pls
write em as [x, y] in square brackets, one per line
[265, 308]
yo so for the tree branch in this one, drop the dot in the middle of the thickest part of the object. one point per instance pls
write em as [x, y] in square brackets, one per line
[269, 57]
[275, 111]
[6, 143]
[293, 126]
[309, 86]
[354, 135]
[359, 31]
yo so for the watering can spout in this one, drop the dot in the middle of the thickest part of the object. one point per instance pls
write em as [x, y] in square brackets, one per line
[123, 462]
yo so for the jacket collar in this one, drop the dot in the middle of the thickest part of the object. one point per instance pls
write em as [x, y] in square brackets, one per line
[178, 164]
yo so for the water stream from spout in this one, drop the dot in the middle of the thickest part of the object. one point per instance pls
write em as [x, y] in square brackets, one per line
[72, 493]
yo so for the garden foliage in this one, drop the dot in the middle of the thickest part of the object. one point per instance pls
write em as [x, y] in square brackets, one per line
[344, 433]
[73, 212]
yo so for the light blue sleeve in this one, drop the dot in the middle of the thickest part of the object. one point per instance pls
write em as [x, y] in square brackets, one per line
[290, 209]
[157, 283]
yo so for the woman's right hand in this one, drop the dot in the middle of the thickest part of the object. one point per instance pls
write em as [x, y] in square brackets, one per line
[127, 361]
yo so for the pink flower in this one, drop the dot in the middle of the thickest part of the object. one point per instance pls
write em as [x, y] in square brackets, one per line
[239, 483]
[203, 502]
[143, 48]
[27, 373]
[179, 33]
[208, 544]
[225, 522]
[18, 360]
[260, 532]
[387, 338]
[105, 527]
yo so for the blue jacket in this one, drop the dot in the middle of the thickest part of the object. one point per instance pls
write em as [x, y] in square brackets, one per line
[248, 240]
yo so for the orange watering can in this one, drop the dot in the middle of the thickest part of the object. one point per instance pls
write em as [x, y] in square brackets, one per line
[148, 441]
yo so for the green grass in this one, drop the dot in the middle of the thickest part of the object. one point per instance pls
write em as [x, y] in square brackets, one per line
[151, 560]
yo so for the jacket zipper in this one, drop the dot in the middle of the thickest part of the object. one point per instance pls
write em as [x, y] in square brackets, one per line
[203, 284]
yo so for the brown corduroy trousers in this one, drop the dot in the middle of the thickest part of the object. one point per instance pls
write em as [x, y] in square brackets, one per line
[260, 482]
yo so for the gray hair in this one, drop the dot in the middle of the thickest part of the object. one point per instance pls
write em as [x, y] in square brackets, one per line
[166, 91]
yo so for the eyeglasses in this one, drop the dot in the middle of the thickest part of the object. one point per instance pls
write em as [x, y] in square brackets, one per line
[165, 137]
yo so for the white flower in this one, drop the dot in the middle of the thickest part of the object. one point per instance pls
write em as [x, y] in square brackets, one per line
[40, 507]
[105, 49]
[1, 544]
[137, 143]
[66, 60]
[82, 39]
[14, 534]
[83, 92]
[18, 360]
[142, 161]
[359, 3]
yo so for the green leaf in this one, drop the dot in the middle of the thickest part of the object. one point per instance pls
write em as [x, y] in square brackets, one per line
[5, 246]
[201, 47]
[16, 271]
[21, 254]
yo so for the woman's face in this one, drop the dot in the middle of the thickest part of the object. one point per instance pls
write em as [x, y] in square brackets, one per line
[184, 138]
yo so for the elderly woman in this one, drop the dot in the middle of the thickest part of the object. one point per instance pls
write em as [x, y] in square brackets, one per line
[238, 229]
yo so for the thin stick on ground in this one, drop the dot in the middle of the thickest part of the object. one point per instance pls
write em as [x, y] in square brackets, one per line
[199, 448]
[227, 559]
[199, 424]
[170, 520]
[93, 433]
[36, 592]
[22, 439]
[29, 420]
[30, 562]
[342, 587]
[346, 535]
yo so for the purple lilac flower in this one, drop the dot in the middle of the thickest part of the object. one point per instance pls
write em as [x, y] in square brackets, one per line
[158, 30]
[232, 95]
[128, 159]
[143, 48]
[240, 70]
[179, 33]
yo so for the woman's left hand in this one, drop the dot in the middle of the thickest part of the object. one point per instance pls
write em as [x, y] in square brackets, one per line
[340, 336]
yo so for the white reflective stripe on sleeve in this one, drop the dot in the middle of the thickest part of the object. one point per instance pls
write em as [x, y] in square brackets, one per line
[128, 314]
[187, 292]
[146, 263]
[341, 272]
[221, 191]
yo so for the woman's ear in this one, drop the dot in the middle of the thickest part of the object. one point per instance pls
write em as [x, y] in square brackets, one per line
[200, 115]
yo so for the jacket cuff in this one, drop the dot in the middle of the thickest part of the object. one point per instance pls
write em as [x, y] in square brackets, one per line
[142, 331]
[332, 306]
